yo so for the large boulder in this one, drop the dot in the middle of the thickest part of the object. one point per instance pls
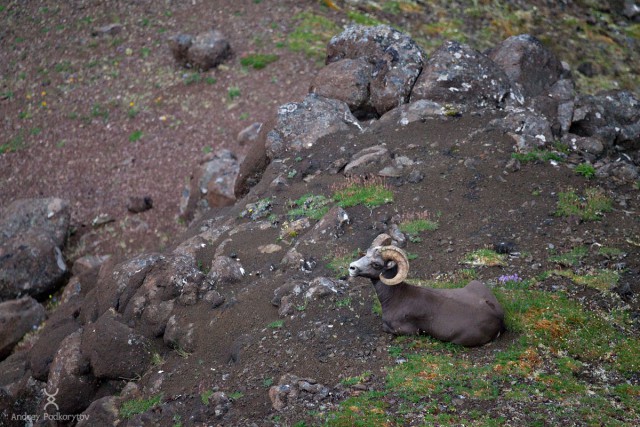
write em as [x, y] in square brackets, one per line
[299, 125]
[456, 73]
[346, 80]
[32, 233]
[204, 51]
[115, 350]
[531, 68]
[396, 61]
[18, 317]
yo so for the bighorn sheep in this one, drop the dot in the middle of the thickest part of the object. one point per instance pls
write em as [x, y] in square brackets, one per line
[470, 316]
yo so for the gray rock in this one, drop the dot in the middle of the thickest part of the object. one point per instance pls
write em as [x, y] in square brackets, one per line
[346, 80]
[70, 375]
[204, 51]
[622, 171]
[456, 73]
[531, 68]
[32, 233]
[614, 117]
[179, 334]
[396, 60]
[584, 144]
[137, 204]
[107, 30]
[217, 179]
[225, 270]
[531, 129]
[101, 412]
[13, 371]
[45, 349]
[376, 155]
[17, 318]
[405, 114]
[88, 262]
[299, 125]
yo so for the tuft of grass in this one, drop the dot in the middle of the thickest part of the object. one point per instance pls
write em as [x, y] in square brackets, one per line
[344, 302]
[571, 258]
[135, 136]
[15, 144]
[537, 155]
[339, 262]
[258, 61]
[590, 207]
[205, 396]
[235, 395]
[130, 408]
[359, 379]
[586, 169]
[192, 78]
[312, 34]
[602, 280]
[233, 92]
[417, 226]
[485, 258]
[277, 324]
[310, 206]
[368, 193]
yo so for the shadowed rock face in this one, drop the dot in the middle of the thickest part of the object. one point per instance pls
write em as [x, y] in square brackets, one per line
[17, 318]
[203, 52]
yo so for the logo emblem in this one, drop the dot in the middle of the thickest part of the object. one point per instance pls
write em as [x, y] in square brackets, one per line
[51, 399]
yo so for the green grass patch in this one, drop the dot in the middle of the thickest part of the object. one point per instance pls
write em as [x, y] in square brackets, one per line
[205, 396]
[258, 61]
[571, 258]
[370, 194]
[135, 136]
[538, 155]
[555, 345]
[589, 207]
[130, 408]
[312, 34]
[14, 144]
[233, 92]
[600, 279]
[417, 226]
[485, 258]
[310, 206]
[277, 324]
[339, 264]
[235, 395]
[363, 18]
[359, 379]
[585, 169]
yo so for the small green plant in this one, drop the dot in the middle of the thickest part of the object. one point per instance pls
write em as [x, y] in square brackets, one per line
[310, 206]
[135, 136]
[571, 258]
[414, 224]
[312, 34]
[130, 408]
[537, 155]
[485, 257]
[235, 395]
[192, 78]
[372, 193]
[339, 262]
[210, 80]
[267, 382]
[277, 324]
[586, 169]
[363, 377]
[590, 207]
[157, 359]
[344, 302]
[205, 396]
[233, 92]
[99, 111]
[258, 61]
[15, 144]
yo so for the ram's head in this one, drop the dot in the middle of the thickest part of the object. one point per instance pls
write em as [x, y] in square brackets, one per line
[383, 261]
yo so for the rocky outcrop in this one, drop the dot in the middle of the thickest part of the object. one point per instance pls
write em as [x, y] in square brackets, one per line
[33, 232]
[203, 52]
[395, 63]
[457, 74]
[299, 125]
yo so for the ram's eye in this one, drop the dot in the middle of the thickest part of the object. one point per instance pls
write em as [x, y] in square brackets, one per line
[376, 265]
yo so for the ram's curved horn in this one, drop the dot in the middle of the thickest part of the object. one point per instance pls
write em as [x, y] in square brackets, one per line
[382, 240]
[402, 261]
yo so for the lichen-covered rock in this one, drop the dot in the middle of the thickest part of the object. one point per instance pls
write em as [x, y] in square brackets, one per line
[395, 58]
[622, 171]
[115, 350]
[531, 67]
[456, 73]
[70, 377]
[225, 270]
[346, 80]
[614, 117]
[299, 125]
[179, 334]
[204, 51]
[529, 129]
[17, 318]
